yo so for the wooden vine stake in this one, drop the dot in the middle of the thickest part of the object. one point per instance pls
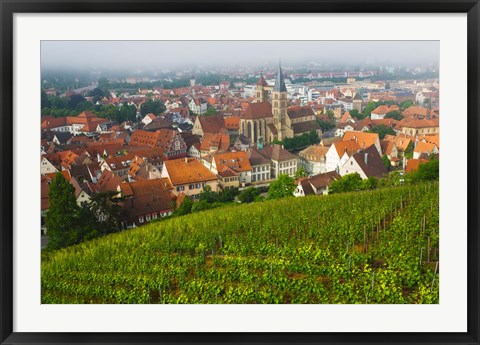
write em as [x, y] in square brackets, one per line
[434, 275]
[364, 239]
[428, 250]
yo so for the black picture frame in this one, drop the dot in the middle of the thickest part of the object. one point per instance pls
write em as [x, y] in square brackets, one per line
[7, 175]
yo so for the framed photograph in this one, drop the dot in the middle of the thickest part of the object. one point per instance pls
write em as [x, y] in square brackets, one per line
[239, 172]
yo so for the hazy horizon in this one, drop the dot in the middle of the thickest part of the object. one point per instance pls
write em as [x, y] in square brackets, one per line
[174, 54]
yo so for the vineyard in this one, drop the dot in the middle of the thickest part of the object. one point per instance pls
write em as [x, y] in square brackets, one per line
[379, 246]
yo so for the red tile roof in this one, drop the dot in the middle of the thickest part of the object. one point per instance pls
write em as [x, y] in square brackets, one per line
[187, 170]
[237, 161]
[413, 164]
[259, 110]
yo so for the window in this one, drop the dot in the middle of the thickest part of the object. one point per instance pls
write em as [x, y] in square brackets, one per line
[140, 219]
[204, 184]
[197, 185]
[192, 186]
[147, 217]
[351, 162]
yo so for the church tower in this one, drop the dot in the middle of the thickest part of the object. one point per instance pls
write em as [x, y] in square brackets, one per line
[279, 104]
[261, 94]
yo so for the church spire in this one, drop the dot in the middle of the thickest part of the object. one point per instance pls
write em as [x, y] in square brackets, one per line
[279, 82]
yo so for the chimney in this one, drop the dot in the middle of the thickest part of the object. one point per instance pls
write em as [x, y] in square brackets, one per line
[186, 159]
[366, 158]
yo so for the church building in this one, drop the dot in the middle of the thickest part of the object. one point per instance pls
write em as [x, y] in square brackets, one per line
[269, 118]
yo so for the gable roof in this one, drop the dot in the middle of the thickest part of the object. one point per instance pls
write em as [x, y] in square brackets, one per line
[256, 158]
[304, 127]
[306, 186]
[413, 164]
[370, 162]
[433, 139]
[108, 181]
[424, 147]
[277, 153]
[415, 123]
[187, 170]
[147, 197]
[261, 81]
[401, 140]
[329, 141]
[219, 142]
[238, 161]
[350, 147]
[415, 110]
[363, 139]
[63, 137]
[232, 122]
[346, 117]
[323, 180]
[212, 124]
[300, 111]
[387, 147]
[384, 109]
[259, 110]
[314, 153]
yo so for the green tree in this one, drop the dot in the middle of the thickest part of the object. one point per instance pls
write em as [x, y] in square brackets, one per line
[393, 179]
[326, 123]
[59, 102]
[406, 104]
[62, 216]
[348, 183]
[283, 186]
[427, 171]
[394, 114]
[104, 85]
[300, 173]
[382, 131]
[369, 183]
[97, 92]
[106, 208]
[228, 195]
[152, 106]
[45, 100]
[75, 100]
[408, 153]
[208, 195]
[371, 105]
[88, 224]
[248, 195]
[201, 206]
[185, 207]
[356, 114]
[313, 137]
[210, 111]
[386, 162]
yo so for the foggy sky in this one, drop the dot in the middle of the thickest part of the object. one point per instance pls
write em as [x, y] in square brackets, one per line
[171, 54]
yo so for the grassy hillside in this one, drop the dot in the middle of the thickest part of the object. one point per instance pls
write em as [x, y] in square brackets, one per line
[378, 246]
